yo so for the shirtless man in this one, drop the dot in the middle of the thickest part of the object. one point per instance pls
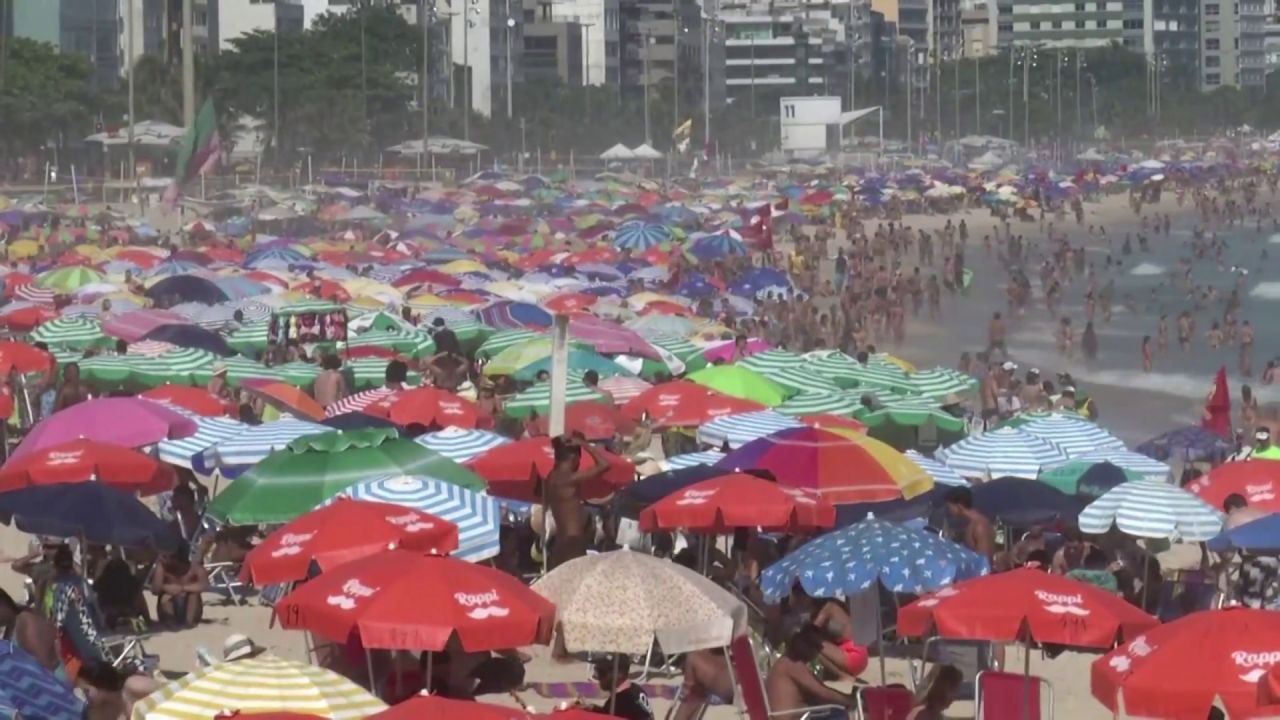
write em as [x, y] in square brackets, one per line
[72, 392]
[330, 386]
[996, 333]
[563, 494]
[979, 534]
[990, 392]
[792, 686]
[1246, 349]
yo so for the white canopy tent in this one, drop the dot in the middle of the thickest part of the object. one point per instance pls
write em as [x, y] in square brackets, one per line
[645, 152]
[618, 152]
[148, 132]
[439, 145]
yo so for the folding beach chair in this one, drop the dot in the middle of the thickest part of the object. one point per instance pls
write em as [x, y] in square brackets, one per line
[884, 703]
[224, 579]
[970, 657]
[750, 679]
[1011, 696]
[128, 650]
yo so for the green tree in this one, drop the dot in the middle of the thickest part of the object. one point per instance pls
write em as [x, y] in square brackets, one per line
[44, 97]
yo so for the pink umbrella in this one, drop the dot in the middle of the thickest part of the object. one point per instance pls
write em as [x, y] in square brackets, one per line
[134, 325]
[124, 421]
[609, 337]
[724, 351]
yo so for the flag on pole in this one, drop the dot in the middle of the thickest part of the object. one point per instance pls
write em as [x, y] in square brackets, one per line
[1217, 407]
[680, 136]
[198, 153]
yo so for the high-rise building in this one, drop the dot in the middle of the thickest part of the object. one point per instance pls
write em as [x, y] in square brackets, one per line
[237, 18]
[1232, 44]
[84, 27]
[1078, 23]
[600, 22]
[789, 51]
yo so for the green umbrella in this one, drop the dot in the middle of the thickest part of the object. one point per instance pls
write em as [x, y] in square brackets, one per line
[771, 361]
[72, 332]
[239, 369]
[515, 358]
[1066, 477]
[1023, 418]
[837, 403]
[502, 340]
[801, 380]
[306, 307]
[741, 382]
[106, 370]
[940, 382]
[180, 366]
[847, 372]
[685, 351]
[579, 360]
[400, 341]
[314, 468]
[298, 372]
[912, 412]
[68, 279]
[372, 372]
[249, 338]
[537, 399]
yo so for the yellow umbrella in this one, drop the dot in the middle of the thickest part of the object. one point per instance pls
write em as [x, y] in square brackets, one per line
[364, 302]
[25, 248]
[641, 299]
[428, 300]
[93, 252]
[463, 266]
[895, 360]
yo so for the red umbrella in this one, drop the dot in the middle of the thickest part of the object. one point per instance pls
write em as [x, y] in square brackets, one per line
[684, 404]
[1053, 608]
[426, 405]
[142, 258]
[24, 357]
[570, 302]
[196, 399]
[595, 420]
[426, 276]
[342, 532]
[85, 460]
[222, 253]
[512, 470]
[738, 500]
[401, 600]
[1258, 481]
[1175, 671]
[433, 706]
[27, 317]
[324, 289]
[577, 714]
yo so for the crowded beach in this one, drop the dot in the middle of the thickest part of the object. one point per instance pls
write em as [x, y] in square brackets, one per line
[808, 442]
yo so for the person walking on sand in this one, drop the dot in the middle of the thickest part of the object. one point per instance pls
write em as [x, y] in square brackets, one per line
[1146, 353]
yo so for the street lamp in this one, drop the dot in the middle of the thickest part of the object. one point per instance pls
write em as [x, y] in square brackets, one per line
[648, 40]
[467, 22]
[511, 23]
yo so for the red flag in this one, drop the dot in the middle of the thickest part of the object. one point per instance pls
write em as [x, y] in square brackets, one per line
[764, 222]
[1217, 407]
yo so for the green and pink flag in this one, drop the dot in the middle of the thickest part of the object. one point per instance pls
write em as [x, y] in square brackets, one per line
[198, 153]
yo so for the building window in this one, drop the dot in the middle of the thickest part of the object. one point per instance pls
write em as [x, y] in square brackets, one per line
[1212, 79]
[1079, 7]
[1212, 61]
[1057, 24]
[1212, 44]
[1211, 26]
[1035, 24]
[1079, 24]
[1211, 9]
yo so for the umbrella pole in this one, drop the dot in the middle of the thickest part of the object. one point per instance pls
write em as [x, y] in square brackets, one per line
[879, 635]
[613, 696]
[1146, 573]
[1026, 677]
[430, 659]
[373, 684]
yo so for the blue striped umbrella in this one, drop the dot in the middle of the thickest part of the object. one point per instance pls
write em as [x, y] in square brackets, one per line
[475, 514]
[638, 236]
[277, 256]
[941, 474]
[1001, 452]
[706, 457]
[512, 315]
[165, 268]
[716, 245]
[189, 451]
[254, 311]
[849, 560]
[460, 444]
[236, 454]
[1127, 460]
[1075, 435]
[1147, 509]
[741, 428]
[30, 691]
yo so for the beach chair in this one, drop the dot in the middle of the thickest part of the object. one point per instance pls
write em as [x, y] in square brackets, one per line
[224, 579]
[884, 703]
[127, 649]
[970, 657]
[1011, 696]
[750, 679]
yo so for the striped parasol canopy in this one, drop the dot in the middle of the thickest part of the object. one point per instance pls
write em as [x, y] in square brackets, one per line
[253, 310]
[212, 317]
[250, 338]
[504, 339]
[801, 379]
[31, 691]
[638, 235]
[537, 399]
[1147, 509]
[623, 388]
[150, 348]
[261, 684]
[847, 372]
[909, 412]
[1074, 435]
[239, 369]
[106, 369]
[400, 341]
[741, 428]
[76, 333]
[372, 372]
[188, 452]
[254, 443]
[1001, 452]
[941, 474]
[298, 372]
[360, 400]
[940, 382]
[773, 360]
[514, 315]
[818, 403]
[180, 366]
[1126, 460]
[461, 444]
[706, 457]
[476, 514]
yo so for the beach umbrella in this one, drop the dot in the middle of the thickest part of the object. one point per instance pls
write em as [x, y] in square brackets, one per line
[426, 406]
[314, 468]
[537, 399]
[1025, 604]
[185, 288]
[1147, 509]
[248, 339]
[513, 315]
[71, 332]
[739, 429]
[105, 369]
[191, 336]
[1191, 443]
[1087, 478]
[21, 316]
[1181, 669]
[93, 512]
[413, 344]
[681, 403]
[182, 366]
[1023, 418]
[741, 382]
[686, 460]
[736, 500]
[341, 532]
[31, 691]
[1135, 466]
[502, 340]
[843, 467]
[189, 452]
[358, 421]
[127, 422]
[173, 266]
[68, 279]
[511, 470]
[461, 444]
[275, 256]
[940, 382]
[1021, 502]
[623, 388]
[1257, 481]
[361, 401]
[941, 474]
[683, 350]
[638, 236]
[1001, 452]
[851, 559]
[596, 421]
[1076, 436]
[848, 373]
[1261, 536]
[24, 358]
[609, 337]
[383, 601]
[368, 373]
[831, 402]
[262, 684]
[666, 602]
[579, 361]
[475, 514]
[643, 493]
[772, 361]
[716, 245]
[194, 399]
[87, 460]
[255, 442]
[286, 398]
